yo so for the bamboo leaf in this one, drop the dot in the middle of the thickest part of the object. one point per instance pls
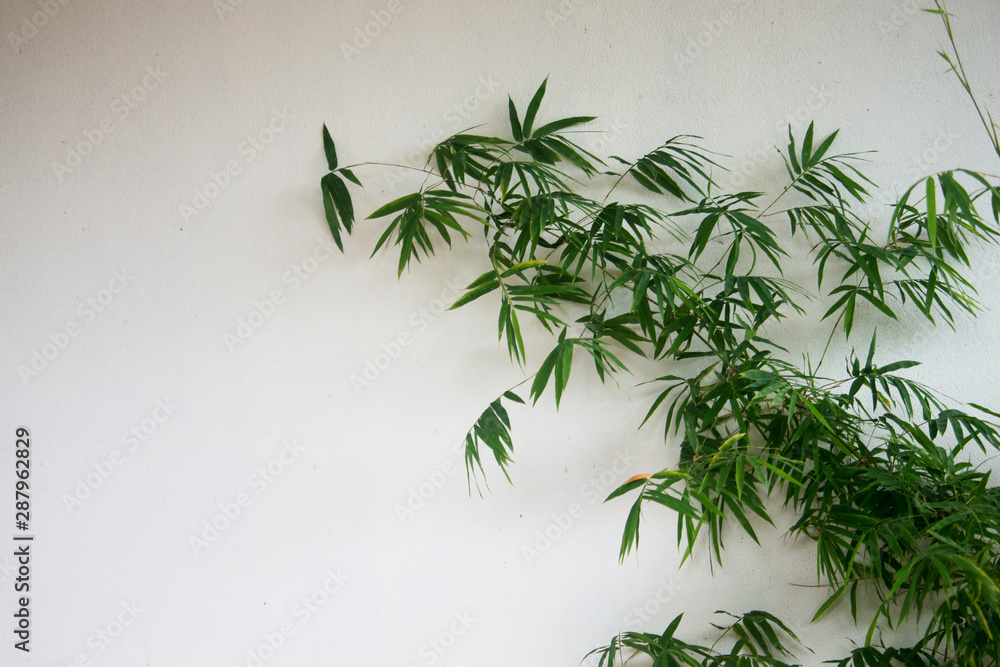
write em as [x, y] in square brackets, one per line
[329, 149]
[515, 124]
[931, 213]
[562, 124]
[536, 101]
[395, 206]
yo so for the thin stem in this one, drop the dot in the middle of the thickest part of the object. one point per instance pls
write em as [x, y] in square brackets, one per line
[829, 340]
[386, 164]
[959, 69]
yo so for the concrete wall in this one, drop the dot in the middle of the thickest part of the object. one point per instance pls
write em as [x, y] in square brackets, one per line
[210, 483]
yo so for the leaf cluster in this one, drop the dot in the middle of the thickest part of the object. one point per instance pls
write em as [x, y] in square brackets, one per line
[668, 267]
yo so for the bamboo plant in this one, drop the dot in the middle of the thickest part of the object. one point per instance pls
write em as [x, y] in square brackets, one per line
[666, 265]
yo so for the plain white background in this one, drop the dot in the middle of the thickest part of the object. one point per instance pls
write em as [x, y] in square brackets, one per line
[181, 342]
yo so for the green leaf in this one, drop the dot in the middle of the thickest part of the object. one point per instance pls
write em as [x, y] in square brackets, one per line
[554, 361]
[342, 199]
[543, 374]
[898, 365]
[626, 487]
[630, 536]
[520, 267]
[511, 396]
[791, 152]
[351, 177]
[395, 205]
[515, 124]
[931, 212]
[474, 294]
[330, 208]
[557, 125]
[529, 115]
[385, 236]
[986, 410]
[330, 150]
[564, 364]
[807, 143]
[493, 430]
[821, 150]
[871, 352]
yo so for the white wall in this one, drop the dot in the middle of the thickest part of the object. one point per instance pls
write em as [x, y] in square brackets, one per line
[164, 95]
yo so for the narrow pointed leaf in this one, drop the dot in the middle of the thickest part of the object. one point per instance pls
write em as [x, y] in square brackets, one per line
[529, 115]
[329, 149]
[515, 124]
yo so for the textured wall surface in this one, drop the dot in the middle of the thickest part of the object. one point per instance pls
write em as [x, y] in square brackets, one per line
[245, 444]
